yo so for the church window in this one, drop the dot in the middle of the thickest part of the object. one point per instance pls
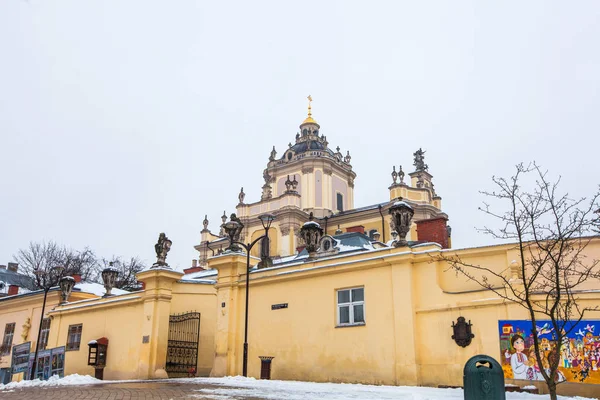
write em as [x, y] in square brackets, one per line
[351, 307]
[74, 338]
[9, 332]
[44, 334]
[340, 202]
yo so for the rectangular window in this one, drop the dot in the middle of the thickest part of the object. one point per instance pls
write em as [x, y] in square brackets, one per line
[340, 202]
[351, 307]
[44, 334]
[74, 338]
[9, 332]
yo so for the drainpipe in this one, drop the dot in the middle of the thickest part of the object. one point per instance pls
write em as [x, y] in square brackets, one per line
[382, 224]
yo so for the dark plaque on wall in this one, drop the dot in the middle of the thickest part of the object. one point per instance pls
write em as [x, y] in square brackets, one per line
[279, 306]
[462, 332]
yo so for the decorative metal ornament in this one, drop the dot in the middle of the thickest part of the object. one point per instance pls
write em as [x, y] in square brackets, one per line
[462, 332]
[233, 229]
[162, 247]
[109, 277]
[402, 214]
[66, 286]
[311, 232]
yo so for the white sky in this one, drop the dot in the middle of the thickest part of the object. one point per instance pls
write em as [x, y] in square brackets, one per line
[122, 119]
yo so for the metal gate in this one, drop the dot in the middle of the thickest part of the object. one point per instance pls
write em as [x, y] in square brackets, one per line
[182, 350]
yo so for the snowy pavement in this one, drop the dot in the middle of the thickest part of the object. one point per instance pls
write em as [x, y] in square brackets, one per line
[229, 388]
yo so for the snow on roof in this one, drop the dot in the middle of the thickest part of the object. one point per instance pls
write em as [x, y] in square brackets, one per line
[402, 203]
[311, 223]
[97, 289]
[197, 277]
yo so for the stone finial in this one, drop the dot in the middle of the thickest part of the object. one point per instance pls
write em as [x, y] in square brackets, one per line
[162, 247]
[394, 175]
[273, 154]
[420, 161]
[402, 214]
[288, 184]
[294, 184]
[110, 274]
[401, 175]
[223, 220]
[241, 196]
[205, 223]
[338, 231]
[266, 176]
[347, 158]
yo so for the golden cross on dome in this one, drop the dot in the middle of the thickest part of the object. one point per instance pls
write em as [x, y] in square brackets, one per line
[309, 107]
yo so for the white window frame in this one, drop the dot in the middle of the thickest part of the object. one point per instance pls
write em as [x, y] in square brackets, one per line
[7, 339]
[45, 333]
[350, 306]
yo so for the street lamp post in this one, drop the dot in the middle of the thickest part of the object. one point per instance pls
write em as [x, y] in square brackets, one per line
[233, 228]
[46, 279]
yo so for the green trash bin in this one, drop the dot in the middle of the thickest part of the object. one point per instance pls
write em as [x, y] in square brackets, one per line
[483, 379]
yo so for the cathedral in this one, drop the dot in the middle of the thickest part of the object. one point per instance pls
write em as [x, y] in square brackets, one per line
[310, 178]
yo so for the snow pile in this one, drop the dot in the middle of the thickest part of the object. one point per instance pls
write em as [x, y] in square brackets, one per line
[240, 388]
[55, 380]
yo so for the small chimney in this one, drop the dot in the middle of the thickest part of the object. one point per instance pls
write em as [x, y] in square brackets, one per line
[2, 266]
[358, 228]
[77, 278]
[194, 263]
[13, 290]
[14, 267]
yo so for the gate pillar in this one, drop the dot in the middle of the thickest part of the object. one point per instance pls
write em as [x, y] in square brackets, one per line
[228, 341]
[155, 321]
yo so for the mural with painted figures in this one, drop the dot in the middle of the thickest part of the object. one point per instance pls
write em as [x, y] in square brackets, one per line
[579, 352]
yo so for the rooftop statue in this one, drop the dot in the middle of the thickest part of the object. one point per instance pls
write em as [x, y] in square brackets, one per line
[162, 247]
[420, 160]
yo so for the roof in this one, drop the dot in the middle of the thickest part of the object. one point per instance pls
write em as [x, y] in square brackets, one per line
[345, 243]
[14, 278]
[306, 145]
[207, 276]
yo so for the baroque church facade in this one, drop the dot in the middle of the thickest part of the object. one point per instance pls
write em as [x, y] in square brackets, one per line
[310, 178]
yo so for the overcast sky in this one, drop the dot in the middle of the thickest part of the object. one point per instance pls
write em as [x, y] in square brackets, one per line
[122, 119]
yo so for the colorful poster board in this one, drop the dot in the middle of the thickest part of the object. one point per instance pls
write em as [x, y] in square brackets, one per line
[50, 362]
[20, 357]
[579, 353]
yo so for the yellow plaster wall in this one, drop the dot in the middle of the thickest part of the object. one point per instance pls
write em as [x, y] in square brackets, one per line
[410, 304]
[120, 324]
[21, 308]
[304, 339]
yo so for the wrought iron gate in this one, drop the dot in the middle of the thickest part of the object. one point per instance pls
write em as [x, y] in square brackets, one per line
[182, 350]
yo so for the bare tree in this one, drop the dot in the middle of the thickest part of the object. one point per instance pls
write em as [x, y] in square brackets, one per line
[39, 261]
[549, 232]
[39, 258]
[128, 269]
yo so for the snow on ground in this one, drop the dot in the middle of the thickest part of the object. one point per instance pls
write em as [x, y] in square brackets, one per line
[69, 380]
[238, 388]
